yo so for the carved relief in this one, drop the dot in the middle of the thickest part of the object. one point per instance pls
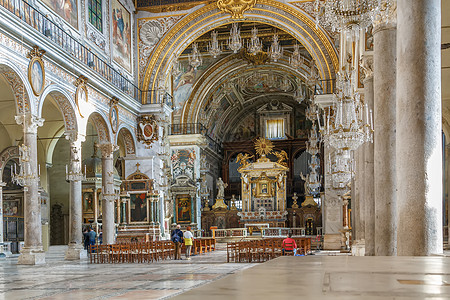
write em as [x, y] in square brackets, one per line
[101, 127]
[128, 141]
[107, 149]
[366, 65]
[147, 129]
[150, 32]
[20, 94]
[235, 7]
[66, 110]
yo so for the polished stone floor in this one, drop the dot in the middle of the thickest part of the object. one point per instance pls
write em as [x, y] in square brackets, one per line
[59, 279]
[326, 275]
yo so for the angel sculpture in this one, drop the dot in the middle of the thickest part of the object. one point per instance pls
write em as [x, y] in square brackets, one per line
[243, 159]
[282, 157]
[306, 184]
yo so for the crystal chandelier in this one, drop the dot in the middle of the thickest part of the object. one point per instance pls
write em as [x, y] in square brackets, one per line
[349, 123]
[235, 41]
[255, 45]
[312, 112]
[299, 94]
[176, 68]
[296, 60]
[214, 48]
[313, 78]
[195, 58]
[275, 50]
[341, 169]
[313, 179]
[349, 15]
[25, 176]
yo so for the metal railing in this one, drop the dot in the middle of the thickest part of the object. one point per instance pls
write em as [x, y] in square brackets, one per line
[53, 32]
[264, 233]
[147, 3]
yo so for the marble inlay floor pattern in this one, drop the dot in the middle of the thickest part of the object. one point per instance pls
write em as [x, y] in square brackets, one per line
[60, 279]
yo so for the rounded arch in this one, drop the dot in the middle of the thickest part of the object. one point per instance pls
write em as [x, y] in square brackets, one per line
[98, 120]
[292, 20]
[23, 95]
[7, 154]
[65, 105]
[128, 139]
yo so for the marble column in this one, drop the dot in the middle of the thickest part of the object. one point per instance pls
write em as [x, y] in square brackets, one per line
[419, 135]
[385, 59]
[368, 175]
[360, 189]
[76, 248]
[32, 253]
[2, 184]
[108, 195]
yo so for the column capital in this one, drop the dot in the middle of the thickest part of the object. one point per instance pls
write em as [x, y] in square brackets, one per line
[386, 17]
[366, 64]
[74, 138]
[107, 149]
[29, 122]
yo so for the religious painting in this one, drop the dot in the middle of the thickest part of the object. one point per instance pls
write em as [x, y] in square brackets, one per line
[66, 9]
[245, 130]
[36, 75]
[88, 202]
[114, 118]
[183, 161]
[138, 207]
[11, 208]
[121, 35]
[183, 208]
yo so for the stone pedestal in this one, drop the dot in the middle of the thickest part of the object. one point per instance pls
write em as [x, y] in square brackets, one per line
[385, 59]
[75, 252]
[419, 121]
[31, 256]
[220, 204]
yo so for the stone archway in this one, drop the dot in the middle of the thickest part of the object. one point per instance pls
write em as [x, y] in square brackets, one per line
[285, 17]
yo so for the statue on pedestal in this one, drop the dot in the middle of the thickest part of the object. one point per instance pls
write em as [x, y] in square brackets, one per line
[220, 194]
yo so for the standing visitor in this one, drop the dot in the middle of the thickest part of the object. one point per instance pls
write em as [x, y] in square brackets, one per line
[92, 236]
[177, 239]
[188, 241]
[86, 238]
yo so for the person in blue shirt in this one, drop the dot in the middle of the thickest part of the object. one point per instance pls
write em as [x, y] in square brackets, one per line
[177, 238]
[92, 236]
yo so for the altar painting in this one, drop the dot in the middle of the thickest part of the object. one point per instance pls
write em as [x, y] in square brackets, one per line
[138, 207]
[121, 35]
[184, 208]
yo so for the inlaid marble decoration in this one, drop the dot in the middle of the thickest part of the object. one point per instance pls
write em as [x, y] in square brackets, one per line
[66, 9]
[183, 162]
[121, 35]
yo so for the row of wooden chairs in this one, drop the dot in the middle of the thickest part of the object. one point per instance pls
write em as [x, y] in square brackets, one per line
[263, 250]
[144, 252]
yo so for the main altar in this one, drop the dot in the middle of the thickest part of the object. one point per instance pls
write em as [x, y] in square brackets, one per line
[263, 186]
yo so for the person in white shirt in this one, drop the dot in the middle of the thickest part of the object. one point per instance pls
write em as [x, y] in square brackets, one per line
[188, 241]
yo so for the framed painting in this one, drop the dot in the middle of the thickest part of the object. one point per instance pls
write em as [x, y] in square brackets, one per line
[66, 9]
[138, 207]
[184, 209]
[121, 35]
[114, 118]
[36, 75]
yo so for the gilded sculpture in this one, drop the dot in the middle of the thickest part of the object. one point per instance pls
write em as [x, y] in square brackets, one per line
[235, 7]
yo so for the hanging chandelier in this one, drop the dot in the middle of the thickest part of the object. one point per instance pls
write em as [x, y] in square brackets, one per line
[235, 41]
[348, 124]
[296, 60]
[341, 169]
[214, 48]
[299, 94]
[312, 111]
[255, 45]
[275, 50]
[195, 58]
[349, 15]
[313, 179]
[313, 77]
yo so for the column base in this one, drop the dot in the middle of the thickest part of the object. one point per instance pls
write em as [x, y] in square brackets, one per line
[75, 252]
[31, 256]
[332, 241]
[358, 248]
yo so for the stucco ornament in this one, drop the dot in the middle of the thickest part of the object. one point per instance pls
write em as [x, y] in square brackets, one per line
[151, 32]
[235, 7]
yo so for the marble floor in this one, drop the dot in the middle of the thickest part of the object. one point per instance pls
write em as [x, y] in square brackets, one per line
[60, 279]
[326, 275]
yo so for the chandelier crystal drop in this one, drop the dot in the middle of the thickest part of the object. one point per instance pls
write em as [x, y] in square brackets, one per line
[214, 48]
[275, 50]
[255, 44]
[235, 41]
[195, 58]
[296, 60]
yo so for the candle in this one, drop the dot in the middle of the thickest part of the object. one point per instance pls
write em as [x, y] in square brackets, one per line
[39, 170]
[67, 170]
[371, 119]
[367, 113]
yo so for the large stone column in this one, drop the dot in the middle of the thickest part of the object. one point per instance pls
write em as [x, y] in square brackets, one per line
[2, 184]
[75, 176]
[368, 175]
[385, 59]
[419, 140]
[108, 194]
[32, 253]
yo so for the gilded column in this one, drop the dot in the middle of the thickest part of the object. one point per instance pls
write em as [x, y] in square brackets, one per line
[75, 177]
[108, 194]
[385, 58]
[368, 175]
[32, 252]
[419, 128]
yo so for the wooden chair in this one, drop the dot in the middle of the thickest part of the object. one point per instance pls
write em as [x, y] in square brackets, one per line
[93, 254]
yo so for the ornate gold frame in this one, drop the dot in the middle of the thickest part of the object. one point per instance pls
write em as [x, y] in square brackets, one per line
[79, 89]
[30, 66]
[116, 109]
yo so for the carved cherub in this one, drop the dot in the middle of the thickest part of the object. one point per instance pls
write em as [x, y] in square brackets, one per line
[243, 159]
[282, 157]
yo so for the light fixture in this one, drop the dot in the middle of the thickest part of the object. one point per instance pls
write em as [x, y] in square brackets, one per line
[299, 94]
[255, 45]
[341, 169]
[214, 48]
[235, 41]
[195, 58]
[313, 179]
[176, 68]
[275, 50]
[296, 60]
